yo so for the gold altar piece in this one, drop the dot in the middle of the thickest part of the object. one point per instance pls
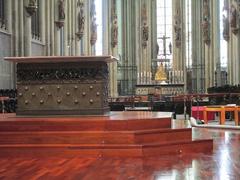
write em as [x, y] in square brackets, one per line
[160, 74]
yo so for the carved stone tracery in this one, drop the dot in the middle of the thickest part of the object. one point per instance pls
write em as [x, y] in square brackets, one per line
[43, 73]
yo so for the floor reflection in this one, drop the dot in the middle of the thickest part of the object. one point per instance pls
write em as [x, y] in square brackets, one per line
[223, 164]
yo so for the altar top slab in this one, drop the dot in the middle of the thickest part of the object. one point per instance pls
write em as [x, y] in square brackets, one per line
[57, 59]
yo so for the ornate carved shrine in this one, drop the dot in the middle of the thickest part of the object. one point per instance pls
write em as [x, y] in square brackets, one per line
[62, 85]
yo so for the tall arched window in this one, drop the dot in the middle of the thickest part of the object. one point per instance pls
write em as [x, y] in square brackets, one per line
[99, 19]
[164, 30]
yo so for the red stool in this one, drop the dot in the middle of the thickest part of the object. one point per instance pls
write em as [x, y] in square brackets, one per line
[197, 113]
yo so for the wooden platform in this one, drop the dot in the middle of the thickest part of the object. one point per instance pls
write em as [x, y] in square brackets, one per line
[121, 134]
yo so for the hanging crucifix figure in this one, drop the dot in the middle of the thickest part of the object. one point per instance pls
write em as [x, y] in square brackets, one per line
[164, 39]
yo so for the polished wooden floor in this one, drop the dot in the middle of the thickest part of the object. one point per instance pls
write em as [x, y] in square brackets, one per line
[121, 134]
[223, 163]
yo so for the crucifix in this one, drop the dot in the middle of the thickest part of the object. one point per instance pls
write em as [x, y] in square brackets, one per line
[164, 38]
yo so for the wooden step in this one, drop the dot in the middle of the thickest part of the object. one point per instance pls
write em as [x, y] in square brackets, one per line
[84, 125]
[67, 137]
[95, 137]
[103, 150]
[179, 147]
[119, 135]
[162, 135]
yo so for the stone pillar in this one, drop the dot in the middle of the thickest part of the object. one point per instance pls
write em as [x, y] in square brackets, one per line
[153, 36]
[77, 41]
[52, 27]
[86, 38]
[66, 29]
[198, 46]
[42, 20]
[234, 56]
[143, 31]
[27, 31]
[179, 56]
[20, 36]
[230, 59]
[179, 39]
[57, 34]
[234, 45]
[129, 48]
[73, 20]
[138, 42]
[114, 49]
[238, 60]
[93, 27]
[149, 43]
[47, 24]
[215, 71]
[9, 15]
[69, 26]
[108, 47]
[15, 29]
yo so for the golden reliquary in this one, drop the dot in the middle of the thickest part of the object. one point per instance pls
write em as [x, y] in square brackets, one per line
[160, 74]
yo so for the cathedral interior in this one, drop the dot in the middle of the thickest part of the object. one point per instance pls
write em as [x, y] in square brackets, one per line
[196, 41]
[148, 56]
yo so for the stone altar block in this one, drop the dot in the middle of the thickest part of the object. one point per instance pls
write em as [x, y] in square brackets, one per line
[62, 85]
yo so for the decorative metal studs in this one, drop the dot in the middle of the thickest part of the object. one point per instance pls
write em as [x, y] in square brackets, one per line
[91, 101]
[33, 94]
[91, 87]
[26, 88]
[84, 94]
[41, 101]
[20, 94]
[76, 101]
[59, 101]
[26, 102]
[68, 93]
[41, 88]
[75, 87]
[49, 94]
[98, 93]
[58, 87]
